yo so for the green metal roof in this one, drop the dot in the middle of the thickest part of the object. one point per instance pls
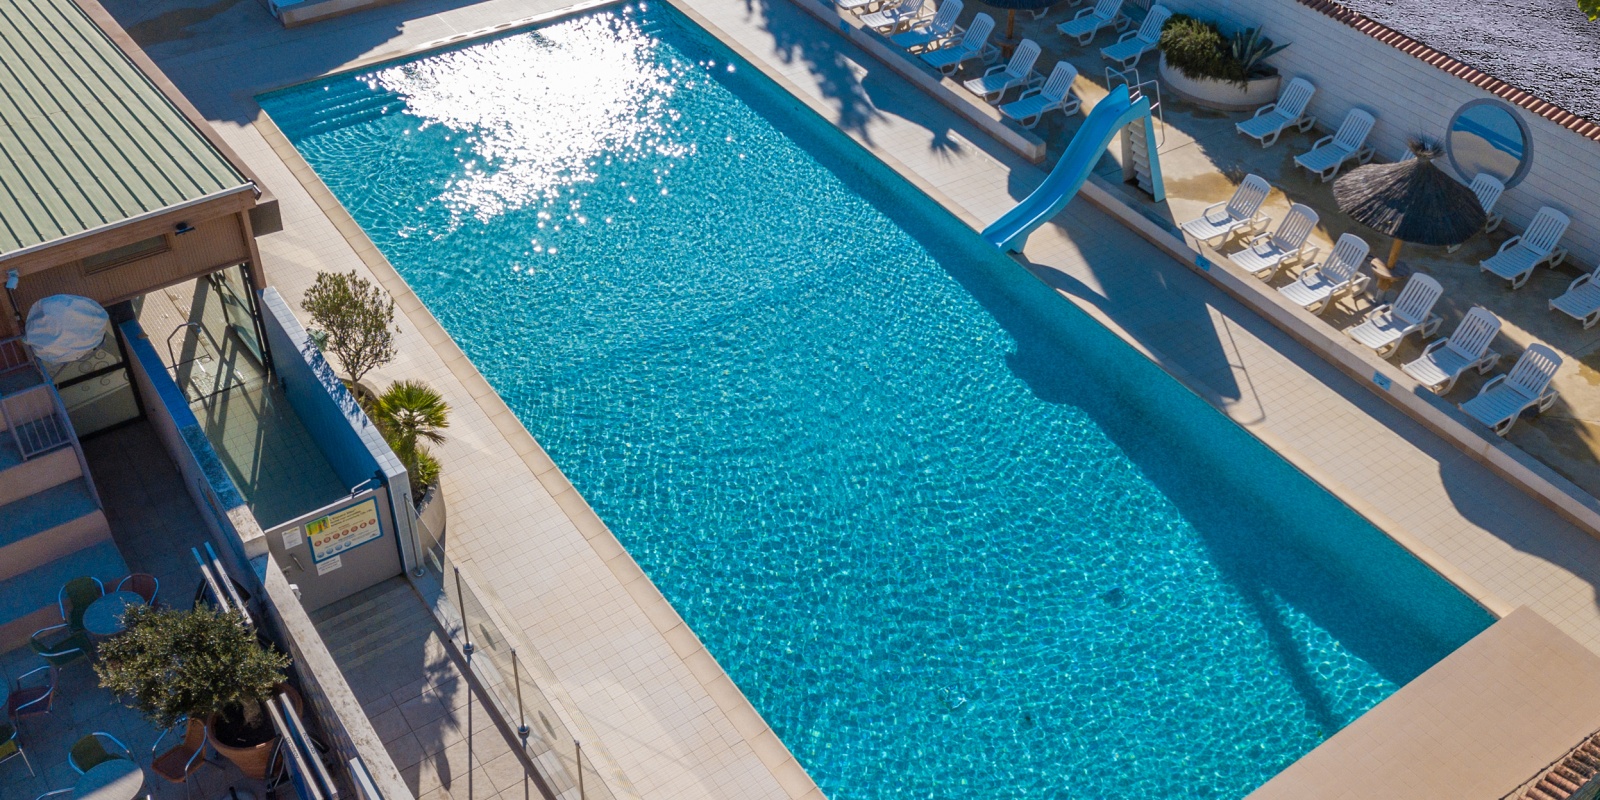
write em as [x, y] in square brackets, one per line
[86, 140]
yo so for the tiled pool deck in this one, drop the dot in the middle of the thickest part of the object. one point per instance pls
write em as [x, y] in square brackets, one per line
[662, 709]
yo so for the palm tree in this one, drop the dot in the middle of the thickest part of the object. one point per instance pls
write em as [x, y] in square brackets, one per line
[406, 412]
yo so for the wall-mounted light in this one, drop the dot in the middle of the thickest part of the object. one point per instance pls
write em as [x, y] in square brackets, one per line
[183, 228]
[11, 278]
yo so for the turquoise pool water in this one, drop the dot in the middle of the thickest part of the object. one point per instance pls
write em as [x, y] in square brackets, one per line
[951, 537]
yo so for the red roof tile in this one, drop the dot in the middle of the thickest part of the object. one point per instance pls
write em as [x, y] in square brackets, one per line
[1482, 80]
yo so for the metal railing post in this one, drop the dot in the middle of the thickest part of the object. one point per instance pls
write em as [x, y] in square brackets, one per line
[577, 749]
[461, 606]
[522, 718]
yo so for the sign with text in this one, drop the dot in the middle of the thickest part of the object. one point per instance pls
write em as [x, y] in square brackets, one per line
[343, 530]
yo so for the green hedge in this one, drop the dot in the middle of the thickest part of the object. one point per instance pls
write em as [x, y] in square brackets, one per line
[1199, 50]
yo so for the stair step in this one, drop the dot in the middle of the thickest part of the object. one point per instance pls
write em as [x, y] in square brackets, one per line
[333, 622]
[44, 510]
[360, 642]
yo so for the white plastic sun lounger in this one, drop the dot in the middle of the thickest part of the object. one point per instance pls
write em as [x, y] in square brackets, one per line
[1289, 111]
[856, 6]
[1503, 399]
[927, 34]
[1412, 312]
[896, 13]
[1289, 244]
[1329, 154]
[1321, 284]
[1056, 93]
[1517, 258]
[972, 44]
[1134, 44]
[1488, 188]
[1090, 20]
[1581, 301]
[1444, 361]
[1241, 214]
[999, 79]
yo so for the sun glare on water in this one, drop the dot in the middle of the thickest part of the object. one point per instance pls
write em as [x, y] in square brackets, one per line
[538, 109]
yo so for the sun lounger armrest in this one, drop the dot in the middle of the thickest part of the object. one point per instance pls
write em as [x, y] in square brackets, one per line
[1310, 272]
[1084, 13]
[1320, 142]
[1508, 244]
[1580, 281]
[1126, 36]
[1268, 108]
[995, 69]
[1307, 252]
[1434, 345]
[1384, 309]
[1206, 214]
[1491, 384]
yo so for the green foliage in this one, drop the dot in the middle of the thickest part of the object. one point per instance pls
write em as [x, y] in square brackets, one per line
[171, 664]
[406, 413]
[1199, 50]
[352, 318]
[1590, 8]
[1251, 50]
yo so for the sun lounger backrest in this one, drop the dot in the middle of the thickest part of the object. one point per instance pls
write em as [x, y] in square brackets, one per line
[1106, 9]
[1415, 302]
[1294, 98]
[1545, 231]
[1488, 188]
[1150, 29]
[1247, 199]
[1295, 228]
[1534, 370]
[1060, 82]
[1348, 255]
[1022, 60]
[1476, 331]
[1353, 131]
[977, 34]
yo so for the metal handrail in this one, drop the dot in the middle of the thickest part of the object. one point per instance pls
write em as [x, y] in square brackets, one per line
[1136, 89]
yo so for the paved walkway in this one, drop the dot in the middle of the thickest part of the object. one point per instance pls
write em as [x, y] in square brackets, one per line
[664, 712]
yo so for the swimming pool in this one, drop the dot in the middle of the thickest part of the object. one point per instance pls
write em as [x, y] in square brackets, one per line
[950, 536]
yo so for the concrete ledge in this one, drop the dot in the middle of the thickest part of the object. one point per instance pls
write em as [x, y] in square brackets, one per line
[948, 92]
[1381, 377]
[1478, 724]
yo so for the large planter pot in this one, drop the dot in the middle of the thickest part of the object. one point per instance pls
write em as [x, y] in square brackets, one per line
[430, 509]
[1221, 95]
[254, 759]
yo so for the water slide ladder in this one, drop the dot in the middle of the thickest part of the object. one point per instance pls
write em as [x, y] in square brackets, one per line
[1124, 113]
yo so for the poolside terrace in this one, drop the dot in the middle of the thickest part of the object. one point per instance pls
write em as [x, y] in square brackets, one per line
[1203, 159]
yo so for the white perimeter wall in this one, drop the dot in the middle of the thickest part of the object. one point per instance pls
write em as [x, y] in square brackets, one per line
[1409, 97]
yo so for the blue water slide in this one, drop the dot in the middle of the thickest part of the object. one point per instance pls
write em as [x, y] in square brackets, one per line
[1010, 231]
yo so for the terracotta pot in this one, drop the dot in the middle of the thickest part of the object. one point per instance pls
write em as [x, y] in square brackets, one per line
[1220, 95]
[254, 760]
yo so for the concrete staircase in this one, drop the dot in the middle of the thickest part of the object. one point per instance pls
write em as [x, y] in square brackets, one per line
[52, 527]
[1567, 776]
[369, 624]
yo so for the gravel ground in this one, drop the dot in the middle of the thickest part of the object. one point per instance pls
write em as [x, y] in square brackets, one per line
[1546, 47]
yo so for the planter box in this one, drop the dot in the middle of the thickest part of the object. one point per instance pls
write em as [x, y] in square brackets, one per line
[1220, 95]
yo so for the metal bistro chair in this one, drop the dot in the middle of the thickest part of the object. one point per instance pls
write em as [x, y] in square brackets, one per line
[32, 701]
[11, 747]
[183, 759]
[143, 584]
[75, 598]
[91, 751]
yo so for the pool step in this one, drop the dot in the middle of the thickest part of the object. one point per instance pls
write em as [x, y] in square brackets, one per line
[322, 113]
[1562, 781]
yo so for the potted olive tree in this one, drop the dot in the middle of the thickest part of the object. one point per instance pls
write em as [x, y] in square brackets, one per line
[354, 321]
[1210, 69]
[201, 664]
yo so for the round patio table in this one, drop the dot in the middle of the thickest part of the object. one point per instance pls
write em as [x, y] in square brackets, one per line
[104, 616]
[117, 779]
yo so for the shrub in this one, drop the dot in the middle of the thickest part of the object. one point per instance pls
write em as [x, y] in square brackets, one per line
[406, 412]
[352, 318]
[1199, 50]
[169, 664]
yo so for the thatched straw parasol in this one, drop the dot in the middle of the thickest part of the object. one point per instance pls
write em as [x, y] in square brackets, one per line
[1412, 201]
[1012, 7]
